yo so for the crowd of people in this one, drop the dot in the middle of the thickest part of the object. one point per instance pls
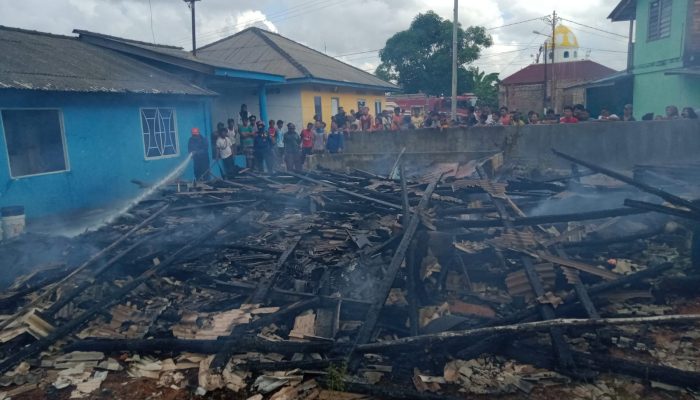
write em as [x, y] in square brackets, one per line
[265, 147]
[268, 147]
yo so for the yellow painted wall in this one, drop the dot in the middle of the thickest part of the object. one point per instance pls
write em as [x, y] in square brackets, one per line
[348, 98]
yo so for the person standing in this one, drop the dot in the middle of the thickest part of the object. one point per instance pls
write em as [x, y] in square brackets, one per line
[568, 117]
[279, 148]
[365, 119]
[225, 154]
[233, 135]
[341, 118]
[627, 113]
[319, 137]
[263, 147]
[307, 142]
[243, 114]
[247, 140]
[292, 148]
[417, 119]
[335, 140]
[396, 119]
[197, 146]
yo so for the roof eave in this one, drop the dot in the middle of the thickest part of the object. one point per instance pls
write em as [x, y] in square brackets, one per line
[626, 10]
[258, 76]
[391, 88]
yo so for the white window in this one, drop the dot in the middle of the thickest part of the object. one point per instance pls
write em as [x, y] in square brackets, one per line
[335, 103]
[361, 104]
[159, 130]
[377, 107]
[35, 141]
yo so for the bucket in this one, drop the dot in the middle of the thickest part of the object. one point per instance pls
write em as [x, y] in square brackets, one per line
[13, 221]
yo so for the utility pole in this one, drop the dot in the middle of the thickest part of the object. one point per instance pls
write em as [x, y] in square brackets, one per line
[554, 59]
[544, 94]
[190, 4]
[454, 62]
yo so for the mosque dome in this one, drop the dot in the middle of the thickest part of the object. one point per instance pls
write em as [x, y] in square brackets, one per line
[566, 49]
[565, 37]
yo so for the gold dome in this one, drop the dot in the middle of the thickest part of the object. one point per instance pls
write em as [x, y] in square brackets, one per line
[565, 38]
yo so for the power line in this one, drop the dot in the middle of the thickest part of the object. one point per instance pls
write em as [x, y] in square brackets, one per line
[594, 28]
[515, 23]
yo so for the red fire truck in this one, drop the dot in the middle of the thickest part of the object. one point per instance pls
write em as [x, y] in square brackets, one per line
[425, 104]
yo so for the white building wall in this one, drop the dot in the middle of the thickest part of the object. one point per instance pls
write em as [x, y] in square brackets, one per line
[283, 102]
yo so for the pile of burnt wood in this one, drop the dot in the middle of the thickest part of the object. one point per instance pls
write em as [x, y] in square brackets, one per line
[453, 281]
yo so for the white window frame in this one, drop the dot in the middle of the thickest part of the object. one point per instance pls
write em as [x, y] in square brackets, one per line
[337, 105]
[64, 142]
[177, 135]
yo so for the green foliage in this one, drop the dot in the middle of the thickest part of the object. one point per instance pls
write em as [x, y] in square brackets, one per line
[484, 86]
[336, 377]
[420, 58]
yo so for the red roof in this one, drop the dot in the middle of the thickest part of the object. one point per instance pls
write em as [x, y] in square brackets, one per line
[584, 70]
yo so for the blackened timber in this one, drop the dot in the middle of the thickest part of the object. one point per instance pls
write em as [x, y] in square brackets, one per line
[536, 326]
[262, 292]
[643, 205]
[604, 363]
[259, 366]
[96, 257]
[393, 392]
[543, 219]
[561, 348]
[214, 204]
[384, 288]
[671, 198]
[580, 289]
[43, 343]
[347, 192]
[243, 344]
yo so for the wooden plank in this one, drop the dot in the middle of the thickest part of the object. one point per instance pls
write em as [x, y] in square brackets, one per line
[591, 269]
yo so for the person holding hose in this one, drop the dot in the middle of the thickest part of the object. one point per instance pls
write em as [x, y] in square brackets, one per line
[197, 146]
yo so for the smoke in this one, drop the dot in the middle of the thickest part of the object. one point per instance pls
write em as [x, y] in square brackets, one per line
[577, 198]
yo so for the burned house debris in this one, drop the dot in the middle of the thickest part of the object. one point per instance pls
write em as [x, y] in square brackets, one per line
[454, 281]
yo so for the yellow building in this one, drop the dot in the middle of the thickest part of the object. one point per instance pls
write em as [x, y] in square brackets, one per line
[315, 84]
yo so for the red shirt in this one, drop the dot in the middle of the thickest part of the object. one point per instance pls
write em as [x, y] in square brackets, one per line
[307, 138]
[568, 120]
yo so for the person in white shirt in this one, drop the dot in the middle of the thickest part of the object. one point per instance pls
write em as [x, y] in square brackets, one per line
[225, 153]
[233, 135]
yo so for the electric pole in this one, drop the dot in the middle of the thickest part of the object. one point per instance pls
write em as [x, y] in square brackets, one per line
[554, 60]
[454, 62]
[190, 4]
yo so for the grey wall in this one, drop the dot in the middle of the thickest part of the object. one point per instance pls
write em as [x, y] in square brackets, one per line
[614, 144]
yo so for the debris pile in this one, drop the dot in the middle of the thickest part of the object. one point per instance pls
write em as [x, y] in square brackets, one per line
[450, 282]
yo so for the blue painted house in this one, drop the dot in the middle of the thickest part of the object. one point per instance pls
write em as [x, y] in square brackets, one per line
[78, 122]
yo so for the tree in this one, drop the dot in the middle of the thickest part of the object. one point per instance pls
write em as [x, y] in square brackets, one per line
[484, 86]
[420, 58]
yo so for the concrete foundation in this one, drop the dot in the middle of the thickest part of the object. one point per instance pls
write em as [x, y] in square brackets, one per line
[619, 145]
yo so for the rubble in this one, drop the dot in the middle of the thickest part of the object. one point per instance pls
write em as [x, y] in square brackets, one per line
[452, 281]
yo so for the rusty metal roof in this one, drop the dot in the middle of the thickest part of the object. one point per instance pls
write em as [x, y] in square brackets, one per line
[31, 60]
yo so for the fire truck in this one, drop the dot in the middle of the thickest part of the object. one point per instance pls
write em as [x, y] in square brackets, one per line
[424, 104]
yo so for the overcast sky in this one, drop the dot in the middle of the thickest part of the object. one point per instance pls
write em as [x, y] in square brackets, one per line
[352, 30]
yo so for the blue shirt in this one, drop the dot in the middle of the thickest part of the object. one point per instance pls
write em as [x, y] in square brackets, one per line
[334, 142]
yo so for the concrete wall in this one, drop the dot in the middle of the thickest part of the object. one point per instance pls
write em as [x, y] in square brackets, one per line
[105, 149]
[618, 145]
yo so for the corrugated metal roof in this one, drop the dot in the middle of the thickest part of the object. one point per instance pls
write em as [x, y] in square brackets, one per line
[584, 70]
[41, 61]
[263, 51]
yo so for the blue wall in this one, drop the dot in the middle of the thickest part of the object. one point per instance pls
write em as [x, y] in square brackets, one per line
[104, 145]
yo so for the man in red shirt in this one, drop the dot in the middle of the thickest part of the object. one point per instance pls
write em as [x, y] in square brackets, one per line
[568, 117]
[307, 142]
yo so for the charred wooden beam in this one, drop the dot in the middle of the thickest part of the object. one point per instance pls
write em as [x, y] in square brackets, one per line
[365, 334]
[607, 364]
[671, 198]
[242, 344]
[347, 192]
[261, 293]
[536, 326]
[92, 260]
[643, 205]
[68, 327]
[542, 220]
